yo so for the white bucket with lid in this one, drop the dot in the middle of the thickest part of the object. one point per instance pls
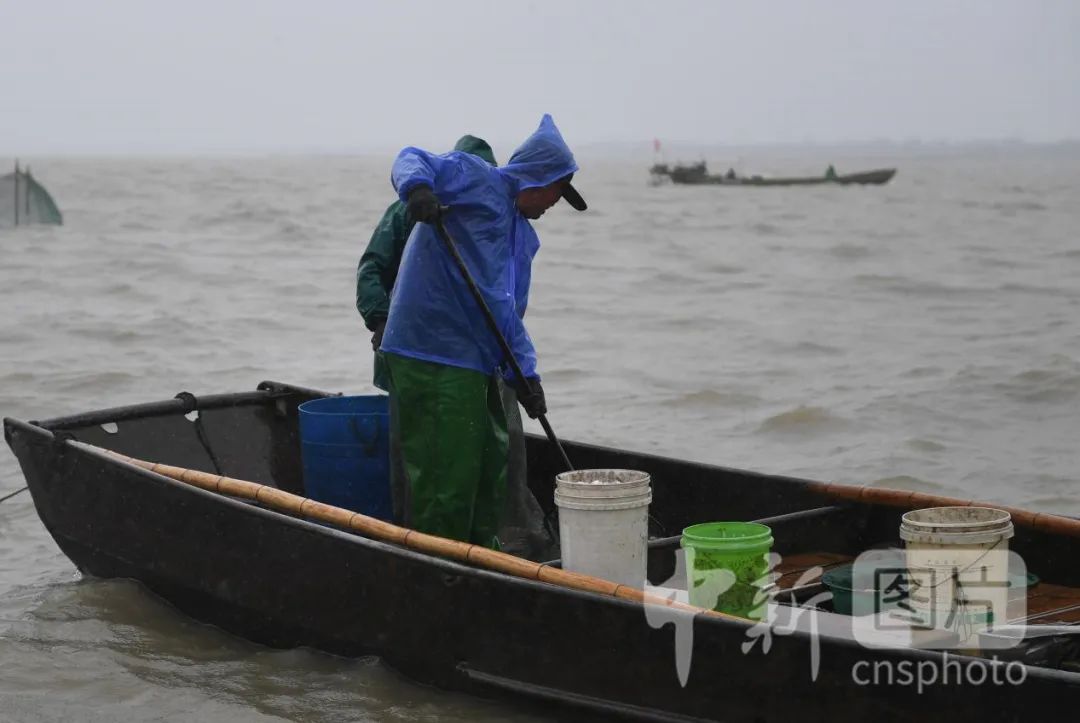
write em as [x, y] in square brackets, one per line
[604, 523]
[958, 568]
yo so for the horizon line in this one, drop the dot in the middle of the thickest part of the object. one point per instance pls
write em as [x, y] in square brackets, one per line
[628, 145]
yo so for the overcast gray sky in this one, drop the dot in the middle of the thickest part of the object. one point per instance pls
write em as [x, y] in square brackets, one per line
[193, 75]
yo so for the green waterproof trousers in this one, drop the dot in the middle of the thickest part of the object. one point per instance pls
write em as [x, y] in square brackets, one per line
[451, 449]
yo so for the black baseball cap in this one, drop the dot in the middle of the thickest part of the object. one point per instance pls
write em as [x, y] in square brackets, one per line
[572, 196]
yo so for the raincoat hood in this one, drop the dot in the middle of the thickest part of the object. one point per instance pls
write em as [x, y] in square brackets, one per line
[542, 159]
[477, 147]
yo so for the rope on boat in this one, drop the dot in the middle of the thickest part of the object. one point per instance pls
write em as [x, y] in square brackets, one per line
[9, 496]
[475, 555]
[1041, 521]
[191, 404]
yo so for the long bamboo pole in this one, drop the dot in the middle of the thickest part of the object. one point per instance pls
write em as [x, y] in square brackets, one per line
[476, 555]
[1041, 521]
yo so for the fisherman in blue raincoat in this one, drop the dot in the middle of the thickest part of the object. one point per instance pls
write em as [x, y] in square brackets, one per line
[378, 267]
[443, 359]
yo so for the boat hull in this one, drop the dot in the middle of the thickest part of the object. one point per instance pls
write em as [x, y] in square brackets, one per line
[287, 582]
[871, 178]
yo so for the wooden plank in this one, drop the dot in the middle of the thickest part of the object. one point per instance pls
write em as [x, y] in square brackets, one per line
[793, 567]
[1050, 603]
[1069, 616]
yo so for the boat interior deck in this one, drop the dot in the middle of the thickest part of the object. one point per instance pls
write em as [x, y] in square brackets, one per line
[1047, 603]
[810, 542]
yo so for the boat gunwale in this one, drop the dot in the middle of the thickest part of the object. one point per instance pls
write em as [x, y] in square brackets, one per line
[268, 392]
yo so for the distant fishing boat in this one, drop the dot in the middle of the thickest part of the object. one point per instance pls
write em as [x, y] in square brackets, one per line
[698, 175]
[24, 201]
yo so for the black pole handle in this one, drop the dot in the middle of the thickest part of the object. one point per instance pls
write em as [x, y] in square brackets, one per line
[494, 326]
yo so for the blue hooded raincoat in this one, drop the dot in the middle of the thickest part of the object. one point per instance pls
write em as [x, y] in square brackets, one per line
[433, 316]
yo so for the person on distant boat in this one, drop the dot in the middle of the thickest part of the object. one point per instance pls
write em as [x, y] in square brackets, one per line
[444, 362]
[830, 173]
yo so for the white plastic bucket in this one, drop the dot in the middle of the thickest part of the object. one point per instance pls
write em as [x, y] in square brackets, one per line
[958, 568]
[604, 523]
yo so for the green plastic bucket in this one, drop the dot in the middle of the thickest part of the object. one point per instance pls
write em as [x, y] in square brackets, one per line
[726, 566]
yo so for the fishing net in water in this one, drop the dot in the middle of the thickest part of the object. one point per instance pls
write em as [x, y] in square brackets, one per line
[24, 201]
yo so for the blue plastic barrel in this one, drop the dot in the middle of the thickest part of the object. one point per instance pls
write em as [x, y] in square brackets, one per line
[345, 445]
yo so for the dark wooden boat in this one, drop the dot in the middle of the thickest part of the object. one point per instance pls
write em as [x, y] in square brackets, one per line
[697, 174]
[283, 581]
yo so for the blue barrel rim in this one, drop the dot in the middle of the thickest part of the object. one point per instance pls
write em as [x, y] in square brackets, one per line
[346, 406]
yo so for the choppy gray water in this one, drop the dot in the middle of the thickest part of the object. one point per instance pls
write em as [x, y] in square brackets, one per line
[923, 334]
